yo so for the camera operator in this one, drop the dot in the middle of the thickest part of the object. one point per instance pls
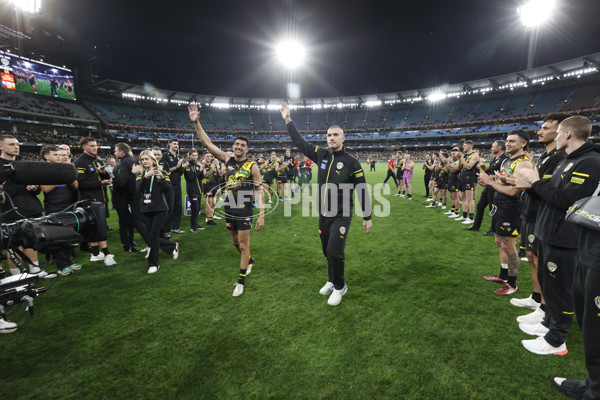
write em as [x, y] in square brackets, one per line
[25, 200]
[193, 175]
[153, 183]
[56, 199]
[93, 179]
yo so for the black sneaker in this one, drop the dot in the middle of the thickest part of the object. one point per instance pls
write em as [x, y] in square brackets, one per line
[131, 250]
[488, 233]
[472, 228]
[134, 243]
[166, 236]
[211, 223]
[571, 387]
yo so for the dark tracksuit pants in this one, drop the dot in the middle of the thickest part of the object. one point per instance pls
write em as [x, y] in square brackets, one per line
[334, 232]
[427, 178]
[586, 289]
[485, 200]
[125, 222]
[390, 174]
[176, 216]
[154, 222]
[558, 267]
[195, 203]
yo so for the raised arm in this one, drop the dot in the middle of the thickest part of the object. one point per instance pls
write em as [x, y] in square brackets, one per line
[195, 118]
[310, 150]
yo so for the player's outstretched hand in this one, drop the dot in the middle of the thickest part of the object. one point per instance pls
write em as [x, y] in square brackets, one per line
[194, 113]
[367, 225]
[285, 111]
[260, 222]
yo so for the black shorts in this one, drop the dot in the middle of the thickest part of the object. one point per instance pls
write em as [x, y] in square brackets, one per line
[238, 220]
[528, 239]
[466, 184]
[282, 179]
[210, 189]
[291, 177]
[453, 183]
[268, 178]
[441, 183]
[506, 221]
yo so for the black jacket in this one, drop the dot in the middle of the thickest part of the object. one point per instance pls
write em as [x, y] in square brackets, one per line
[171, 161]
[193, 177]
[89, 178]
[335, 168]
[153, 189]
[575, 177]
[124, 180]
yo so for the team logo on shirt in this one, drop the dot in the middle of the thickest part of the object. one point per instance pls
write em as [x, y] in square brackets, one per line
[597, 301]
[552, 267]
[339, 165]
[531, 238]
[342, 230]
[568, 167]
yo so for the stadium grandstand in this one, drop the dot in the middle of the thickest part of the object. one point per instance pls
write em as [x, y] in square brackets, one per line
[415, 120]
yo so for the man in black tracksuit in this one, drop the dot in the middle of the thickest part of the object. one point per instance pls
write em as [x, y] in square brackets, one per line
[339, 174]
[575, 177]
[123, 198]
[176, 168]
[193, 176]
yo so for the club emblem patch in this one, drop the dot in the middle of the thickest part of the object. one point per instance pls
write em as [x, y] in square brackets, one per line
[552, 267]
[568, 167]
[531, 238]
[339, 165]
[597, 301]
[342, 230]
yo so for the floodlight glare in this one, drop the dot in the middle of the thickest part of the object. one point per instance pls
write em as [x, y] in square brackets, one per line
[291, 54]
[436, 96]
[32, 6]
[535, 12]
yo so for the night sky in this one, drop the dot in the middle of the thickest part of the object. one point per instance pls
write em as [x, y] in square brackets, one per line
[225, 47]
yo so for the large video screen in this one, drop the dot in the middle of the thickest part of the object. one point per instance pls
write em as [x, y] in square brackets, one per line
[25, 75]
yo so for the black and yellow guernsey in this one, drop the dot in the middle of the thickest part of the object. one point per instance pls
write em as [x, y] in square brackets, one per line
[239, 187]
[335, 168]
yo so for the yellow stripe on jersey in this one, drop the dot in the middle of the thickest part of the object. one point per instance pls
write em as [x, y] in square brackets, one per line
[580, 174]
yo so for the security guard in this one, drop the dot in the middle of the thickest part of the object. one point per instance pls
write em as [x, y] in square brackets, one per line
[193, 175]
[92, 180]
[575, 177]
[338, 171]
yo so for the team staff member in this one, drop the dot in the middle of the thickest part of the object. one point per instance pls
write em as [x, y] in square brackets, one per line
[453, 172]
[487, 196]
[531, 204]
[270, 173]
[507, 218]
[468, 180]
[243, 181]
[282, 178]
[193, 176]
[575, 177]
[336, 167]
[428, 168]
[56, 199]
[176, 167]
[153, 184]
[209, 186]
[92, 180]
[123, 195]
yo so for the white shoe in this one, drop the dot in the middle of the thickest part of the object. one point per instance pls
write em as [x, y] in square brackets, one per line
[397, 194]
[45, 275]
[430, 206]
[7, 326]
[540, 346]
[468, 221]
[216, 217]
[109, 260]
[250, 265]
[402, 195]
[534, 330]
[145, 249]
[443, 207]
[525, 259]
[99, 257]
[34, 269]
[449, 213]
[453, 215]
[336, 296]
[461, 219]
[153, 269]
[439, 203]
[239, 290]
[429, 199]
[326, 289]
[175, 252]
[532, 318]
[526, 302]
[147, 253]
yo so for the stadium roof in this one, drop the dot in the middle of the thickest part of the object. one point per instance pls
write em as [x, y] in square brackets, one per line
[570, 69]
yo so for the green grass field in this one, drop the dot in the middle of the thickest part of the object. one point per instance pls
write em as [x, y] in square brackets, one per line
[43, 87]
[418, 321]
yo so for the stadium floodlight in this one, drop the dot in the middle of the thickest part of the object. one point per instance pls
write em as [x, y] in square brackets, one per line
[436, 96]
[32, 6]
[290, 54]
[535, 12]
[373, 103]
